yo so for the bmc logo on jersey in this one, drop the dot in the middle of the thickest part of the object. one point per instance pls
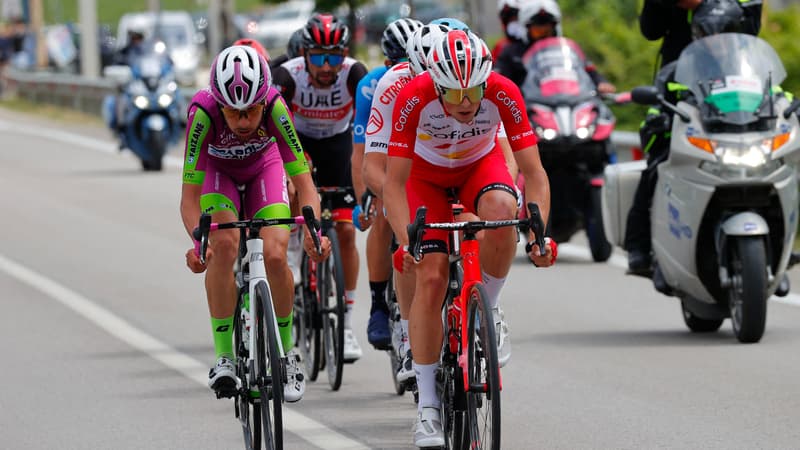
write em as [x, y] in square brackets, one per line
[375, 123]
[458, 134]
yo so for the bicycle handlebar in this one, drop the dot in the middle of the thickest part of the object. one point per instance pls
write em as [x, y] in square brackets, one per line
[416, 229]
[206, 226]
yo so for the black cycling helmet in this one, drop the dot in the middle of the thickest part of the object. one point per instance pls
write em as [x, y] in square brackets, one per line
[395, 36]
[325, 31]
[295, 45]
[716, 16]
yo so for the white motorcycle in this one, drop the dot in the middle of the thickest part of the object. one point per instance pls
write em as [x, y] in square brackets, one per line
[724, 212]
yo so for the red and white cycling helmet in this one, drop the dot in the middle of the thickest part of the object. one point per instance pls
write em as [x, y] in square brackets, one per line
[419, 45]
[459, 60]
[240, 77]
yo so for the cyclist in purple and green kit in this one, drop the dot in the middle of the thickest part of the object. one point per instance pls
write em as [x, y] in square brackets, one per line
[241, 133]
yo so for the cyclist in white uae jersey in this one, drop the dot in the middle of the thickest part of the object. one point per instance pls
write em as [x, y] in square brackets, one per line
[319, 87]
[444, 127]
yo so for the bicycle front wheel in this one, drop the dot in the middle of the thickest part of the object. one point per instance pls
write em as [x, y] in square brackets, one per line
[330, 285]
[248, 402]
[269, 373]
[483, 395]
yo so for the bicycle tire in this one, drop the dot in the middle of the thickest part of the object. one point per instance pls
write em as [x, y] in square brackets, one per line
[307, 323]
[247, 405]
[270, 372]
[483, 396]
[330, 285]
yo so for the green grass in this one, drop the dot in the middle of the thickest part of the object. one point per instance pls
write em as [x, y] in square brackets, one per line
[109, 11]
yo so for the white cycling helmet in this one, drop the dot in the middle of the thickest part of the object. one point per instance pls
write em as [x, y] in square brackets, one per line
[396, 36]
[539, 12]
[419, 45]
[459, 60]
[240, 77]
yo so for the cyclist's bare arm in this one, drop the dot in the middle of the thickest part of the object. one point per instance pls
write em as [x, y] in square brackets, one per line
[307, 195]
[356, 165]
[537, 190]
[394, 196]
[508, 154]
[374, 172]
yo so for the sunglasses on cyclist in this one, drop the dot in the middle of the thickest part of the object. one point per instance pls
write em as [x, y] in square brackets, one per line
[319, 59]
[234, 114]
[456, 96]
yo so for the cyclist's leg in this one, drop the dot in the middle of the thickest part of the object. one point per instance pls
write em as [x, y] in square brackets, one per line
[221, 201]
[379, 267]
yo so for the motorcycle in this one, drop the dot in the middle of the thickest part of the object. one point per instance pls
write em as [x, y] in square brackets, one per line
[724, 212]
[574, 127]
[151, 110]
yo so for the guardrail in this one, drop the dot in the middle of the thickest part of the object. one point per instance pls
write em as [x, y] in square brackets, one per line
[86, 95]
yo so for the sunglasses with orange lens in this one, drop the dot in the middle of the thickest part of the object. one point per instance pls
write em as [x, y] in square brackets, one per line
[456, 96]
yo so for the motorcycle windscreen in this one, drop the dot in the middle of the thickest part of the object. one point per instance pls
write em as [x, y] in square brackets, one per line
[732, 73]
[556, 68]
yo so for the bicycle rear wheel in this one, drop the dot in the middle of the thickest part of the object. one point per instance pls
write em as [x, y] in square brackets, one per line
[268, 370]
[330, 285]
[307, 323]
[248, 403]
[483, 396]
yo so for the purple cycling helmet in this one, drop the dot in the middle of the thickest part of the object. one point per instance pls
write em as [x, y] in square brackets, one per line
[240, 77]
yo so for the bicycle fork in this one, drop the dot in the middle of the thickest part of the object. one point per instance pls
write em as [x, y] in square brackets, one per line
[254, 260]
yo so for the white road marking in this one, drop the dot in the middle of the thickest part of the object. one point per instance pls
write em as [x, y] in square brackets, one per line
[299, 424]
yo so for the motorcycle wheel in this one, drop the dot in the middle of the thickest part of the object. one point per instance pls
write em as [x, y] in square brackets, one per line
[598, 244]
[748, 291]
[698, 324]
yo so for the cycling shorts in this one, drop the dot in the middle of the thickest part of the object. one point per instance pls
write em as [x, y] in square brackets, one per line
[428, 186]
[330, 158]
[265, 193]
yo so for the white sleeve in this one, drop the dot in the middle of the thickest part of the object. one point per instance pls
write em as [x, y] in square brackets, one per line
[501, 131]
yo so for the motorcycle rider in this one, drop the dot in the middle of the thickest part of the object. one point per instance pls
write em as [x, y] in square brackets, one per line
[541, 19]
[508, 11]
[678, 23]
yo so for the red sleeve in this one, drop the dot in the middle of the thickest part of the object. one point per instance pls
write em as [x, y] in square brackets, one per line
[405, 117]
[506, 96]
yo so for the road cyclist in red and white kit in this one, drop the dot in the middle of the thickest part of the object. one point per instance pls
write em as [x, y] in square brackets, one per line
[319, 86]
[241, 133]
[444, 127]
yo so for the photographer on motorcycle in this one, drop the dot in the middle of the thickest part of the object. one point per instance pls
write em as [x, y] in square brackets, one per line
[541, 19]
[678, 23]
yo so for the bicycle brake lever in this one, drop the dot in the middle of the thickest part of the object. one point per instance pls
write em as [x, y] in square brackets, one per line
[536, 225]
[416, 231]
[313, 227]
[201, 234]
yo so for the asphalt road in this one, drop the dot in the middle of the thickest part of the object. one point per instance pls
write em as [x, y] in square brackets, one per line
[107, 341]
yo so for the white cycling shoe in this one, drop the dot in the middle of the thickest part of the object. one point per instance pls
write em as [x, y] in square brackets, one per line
[295, 385]
[428, 430]
[501, 334]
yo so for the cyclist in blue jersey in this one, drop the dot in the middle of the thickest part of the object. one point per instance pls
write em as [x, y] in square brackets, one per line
[393, 44]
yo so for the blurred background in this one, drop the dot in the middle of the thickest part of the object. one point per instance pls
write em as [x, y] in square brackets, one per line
[81, 37]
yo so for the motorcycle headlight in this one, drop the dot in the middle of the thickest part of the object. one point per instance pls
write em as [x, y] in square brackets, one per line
[141, 102]
[584, 132]
[740, 159]
[549, 134]
[164, 100]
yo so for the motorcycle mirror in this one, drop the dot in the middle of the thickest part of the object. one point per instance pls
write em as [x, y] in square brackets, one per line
[791, 109]
[645, 95]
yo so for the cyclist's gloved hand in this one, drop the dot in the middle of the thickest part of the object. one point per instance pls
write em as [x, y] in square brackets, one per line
[542, 260]
[193, 258]
[401, 259]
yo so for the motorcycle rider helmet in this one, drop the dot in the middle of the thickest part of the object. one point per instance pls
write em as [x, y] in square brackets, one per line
[540, 13]
[240, 77]
[395, 37]
[295, 45]
[449, 22]
[459, 60]
[255, 44]
[716, 16]
[419, 45]
[325, 31]
[508, 10]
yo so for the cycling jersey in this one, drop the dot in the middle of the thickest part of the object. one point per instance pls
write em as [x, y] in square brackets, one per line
[421, 127]
[364, 95]
[378, 129]
[219, 160]
[447, 154]
[319, 112]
